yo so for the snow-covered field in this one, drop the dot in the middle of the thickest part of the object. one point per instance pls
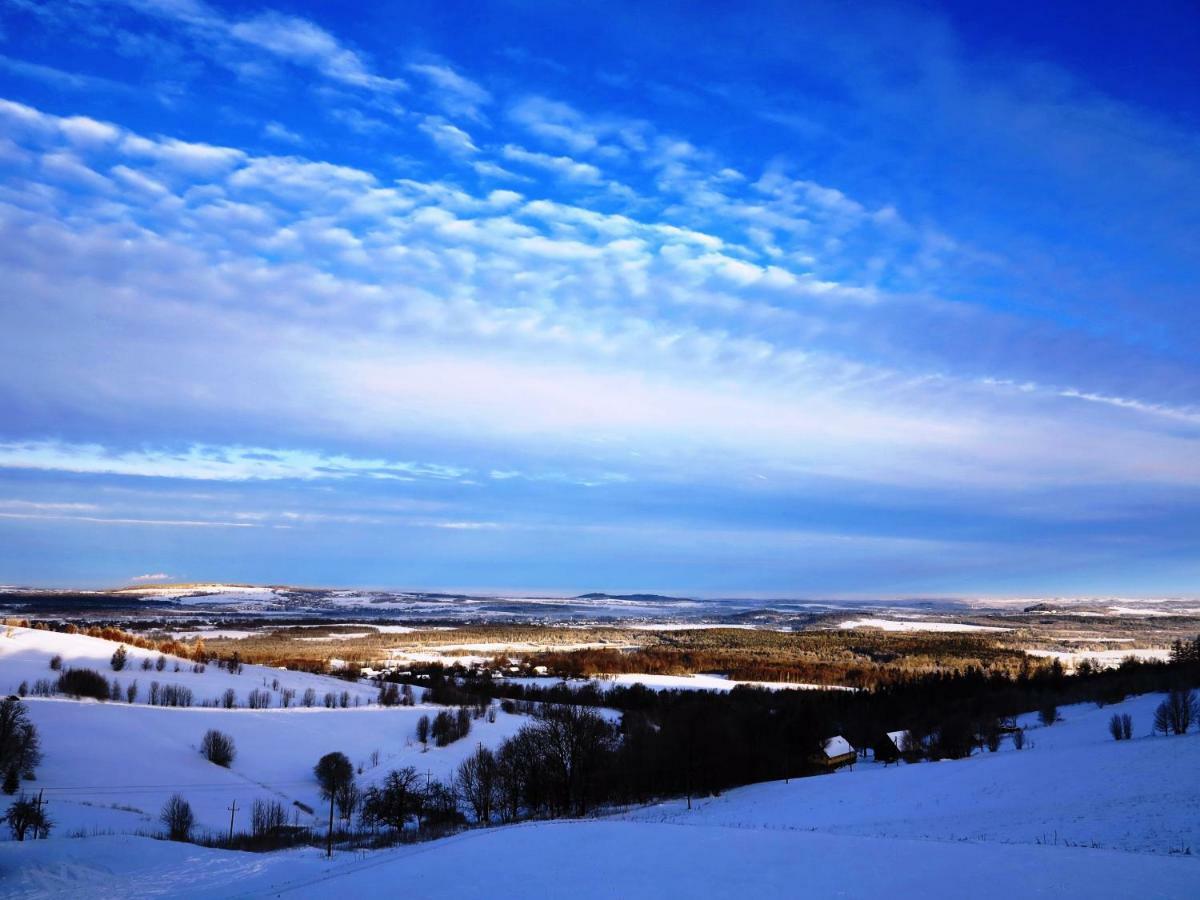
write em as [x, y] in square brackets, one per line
[915, 625]
[25, 656]
[112, 765]
[1074, 814]
[1105, 658]
[676, 683]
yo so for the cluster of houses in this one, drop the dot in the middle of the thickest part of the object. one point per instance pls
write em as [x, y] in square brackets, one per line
[837, 751]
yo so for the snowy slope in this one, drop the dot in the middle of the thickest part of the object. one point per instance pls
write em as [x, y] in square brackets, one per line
[112, 765]
[101, 755]
[595, 860]
[25, 655]
[1072, 783]
[1075, 814]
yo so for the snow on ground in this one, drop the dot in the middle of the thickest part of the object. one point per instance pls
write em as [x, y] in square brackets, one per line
[675, 683]
[594, 860]
[915, 625]
[25, 656]
[691, 626]
[1105, 658]
[1072, 783]
[101, 756]
[1073, 814]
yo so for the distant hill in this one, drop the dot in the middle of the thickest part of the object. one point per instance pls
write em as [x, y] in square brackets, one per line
[637, 598]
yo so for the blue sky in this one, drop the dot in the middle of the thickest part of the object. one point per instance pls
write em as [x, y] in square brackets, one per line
[774, 300]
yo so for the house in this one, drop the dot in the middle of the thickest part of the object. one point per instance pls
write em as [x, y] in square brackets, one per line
[835, 752]
[892, 746]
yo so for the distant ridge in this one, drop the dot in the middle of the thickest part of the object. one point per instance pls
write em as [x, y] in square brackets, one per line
[637, 598]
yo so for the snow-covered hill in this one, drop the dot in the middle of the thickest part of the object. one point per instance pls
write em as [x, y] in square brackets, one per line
[1074, 814]
[25, 655]
[112, 765]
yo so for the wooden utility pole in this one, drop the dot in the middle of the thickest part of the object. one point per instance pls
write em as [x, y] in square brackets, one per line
[232, 810]
[329, 834]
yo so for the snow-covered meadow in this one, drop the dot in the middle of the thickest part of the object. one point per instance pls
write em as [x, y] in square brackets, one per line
[112, 765]
[1072, 814]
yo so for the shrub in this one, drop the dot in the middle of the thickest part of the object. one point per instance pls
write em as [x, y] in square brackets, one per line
[1114, 728]
[258, 699]
[175, 695]
[131, 692]
[177, 818]
[26, 815]
[266, 816]
[310, 697]
[118, 658]
[56, 662]
[83, 683]
[160, 663]
[229, 698]
[1048, 714]
[217, 747]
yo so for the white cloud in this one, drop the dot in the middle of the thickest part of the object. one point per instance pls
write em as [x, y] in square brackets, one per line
[211, 463]
[450, 138]
[155, 576]
[189, 158]
[563, 166]
[277, 131]
[456, 94]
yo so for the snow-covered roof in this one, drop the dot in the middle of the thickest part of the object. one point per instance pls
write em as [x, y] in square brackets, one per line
[837, 746]
[898, 738]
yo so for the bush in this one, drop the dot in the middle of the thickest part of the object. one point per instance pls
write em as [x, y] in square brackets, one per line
[229, 698]
[310, 697]
[174, 695]
[83, 683]
[26, 815]
[118, 658]
[56, 662]
[177, 818]
[1114, 728]
[217, 747]
[266, 817]
[258, 699]
[1048, 713]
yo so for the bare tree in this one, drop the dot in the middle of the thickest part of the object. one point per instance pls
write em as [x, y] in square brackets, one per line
[26, 815]
[266, 817]
[475, 781]
[177, 818]
[1182, 709]
[1115, 729]
[217, 747]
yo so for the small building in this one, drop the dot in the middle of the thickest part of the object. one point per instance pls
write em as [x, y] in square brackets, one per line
[835, 752]
[892, 746]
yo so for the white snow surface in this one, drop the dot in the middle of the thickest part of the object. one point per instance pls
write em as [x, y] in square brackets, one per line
[915, 625]
[676, 683]
[1074, 814]
[25, 656]
[1104, 658]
